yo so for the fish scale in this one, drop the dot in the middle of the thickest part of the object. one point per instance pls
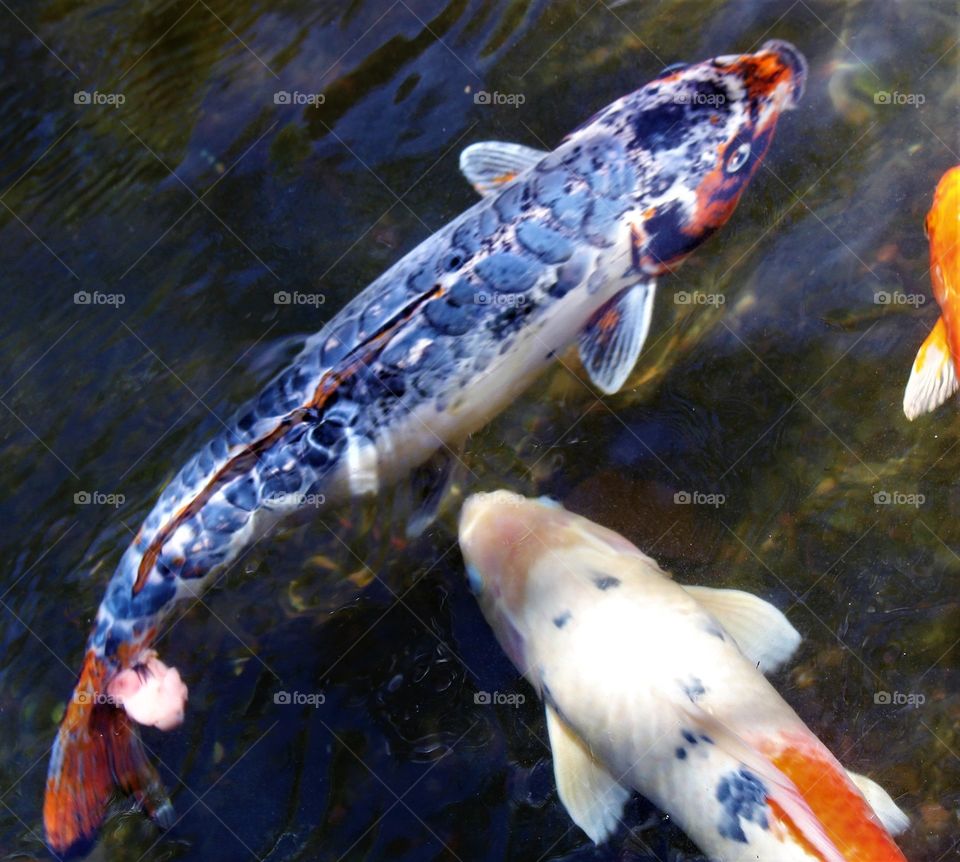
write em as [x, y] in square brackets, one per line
[563, 248]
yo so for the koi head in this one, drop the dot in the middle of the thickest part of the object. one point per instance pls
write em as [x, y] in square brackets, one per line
[529, 561]
[698, 135]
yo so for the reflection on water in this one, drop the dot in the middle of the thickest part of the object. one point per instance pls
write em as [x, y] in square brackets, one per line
[178, 214]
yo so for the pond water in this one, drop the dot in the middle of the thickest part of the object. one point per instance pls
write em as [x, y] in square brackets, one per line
[143, 245]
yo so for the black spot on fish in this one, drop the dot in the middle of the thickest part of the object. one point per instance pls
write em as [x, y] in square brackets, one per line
[694, 689]
[681, 754]
[668, 241]
[743, 797]
[658, 128]
[562, 620]
[605, 582]
[689, 737]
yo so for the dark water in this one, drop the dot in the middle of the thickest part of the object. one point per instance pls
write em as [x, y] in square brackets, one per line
[184, 210]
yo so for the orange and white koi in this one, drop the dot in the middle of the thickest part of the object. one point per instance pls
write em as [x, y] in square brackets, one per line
[936, 370]
[654, 686]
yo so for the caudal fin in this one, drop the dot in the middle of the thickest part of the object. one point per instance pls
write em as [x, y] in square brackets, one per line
[96, 756]
[933, 378]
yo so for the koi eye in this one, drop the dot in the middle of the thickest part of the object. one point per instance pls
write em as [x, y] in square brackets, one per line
[738, 158]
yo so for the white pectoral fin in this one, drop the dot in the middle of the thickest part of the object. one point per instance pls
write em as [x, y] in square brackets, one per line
[489, 165]
[763, 634]
[614, 336]
[933, 378]
[887, 811]
[592, 796]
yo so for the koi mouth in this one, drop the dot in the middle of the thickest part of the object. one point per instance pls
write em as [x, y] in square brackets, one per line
[795, 62]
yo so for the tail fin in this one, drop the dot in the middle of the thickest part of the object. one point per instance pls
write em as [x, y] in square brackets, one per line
[97, 753]
[933, 378]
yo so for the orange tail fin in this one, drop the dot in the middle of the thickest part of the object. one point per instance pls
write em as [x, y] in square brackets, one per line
[97, 753]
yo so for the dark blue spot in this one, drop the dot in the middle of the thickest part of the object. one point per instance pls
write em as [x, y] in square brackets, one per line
[668, 240]
[694, 689]
[547, 244]
[569, 276]
[243, 494]
[681, 754]
[689, 737]
[508, 273]
[659, 128]
[706, 739]
[448, 318]
[562, 620]
[605, 582]
[743, 797]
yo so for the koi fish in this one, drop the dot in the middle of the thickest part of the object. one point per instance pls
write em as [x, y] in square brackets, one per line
[563, 248]
[936, 369]
[657, 687]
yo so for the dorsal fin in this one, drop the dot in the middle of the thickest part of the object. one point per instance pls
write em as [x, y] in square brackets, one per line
[489, 165]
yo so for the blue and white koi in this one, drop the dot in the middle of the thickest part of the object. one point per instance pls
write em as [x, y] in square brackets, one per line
[564, 248]
[657, 687]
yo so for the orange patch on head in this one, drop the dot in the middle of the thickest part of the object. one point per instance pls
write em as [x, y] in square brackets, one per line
[846, 817]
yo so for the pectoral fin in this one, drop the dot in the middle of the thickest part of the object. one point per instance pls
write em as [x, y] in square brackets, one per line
[933, 378]
[887, 811]
[613, 338]
[592, 796]
[489, 165]
[429, 484]
[764, 635]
